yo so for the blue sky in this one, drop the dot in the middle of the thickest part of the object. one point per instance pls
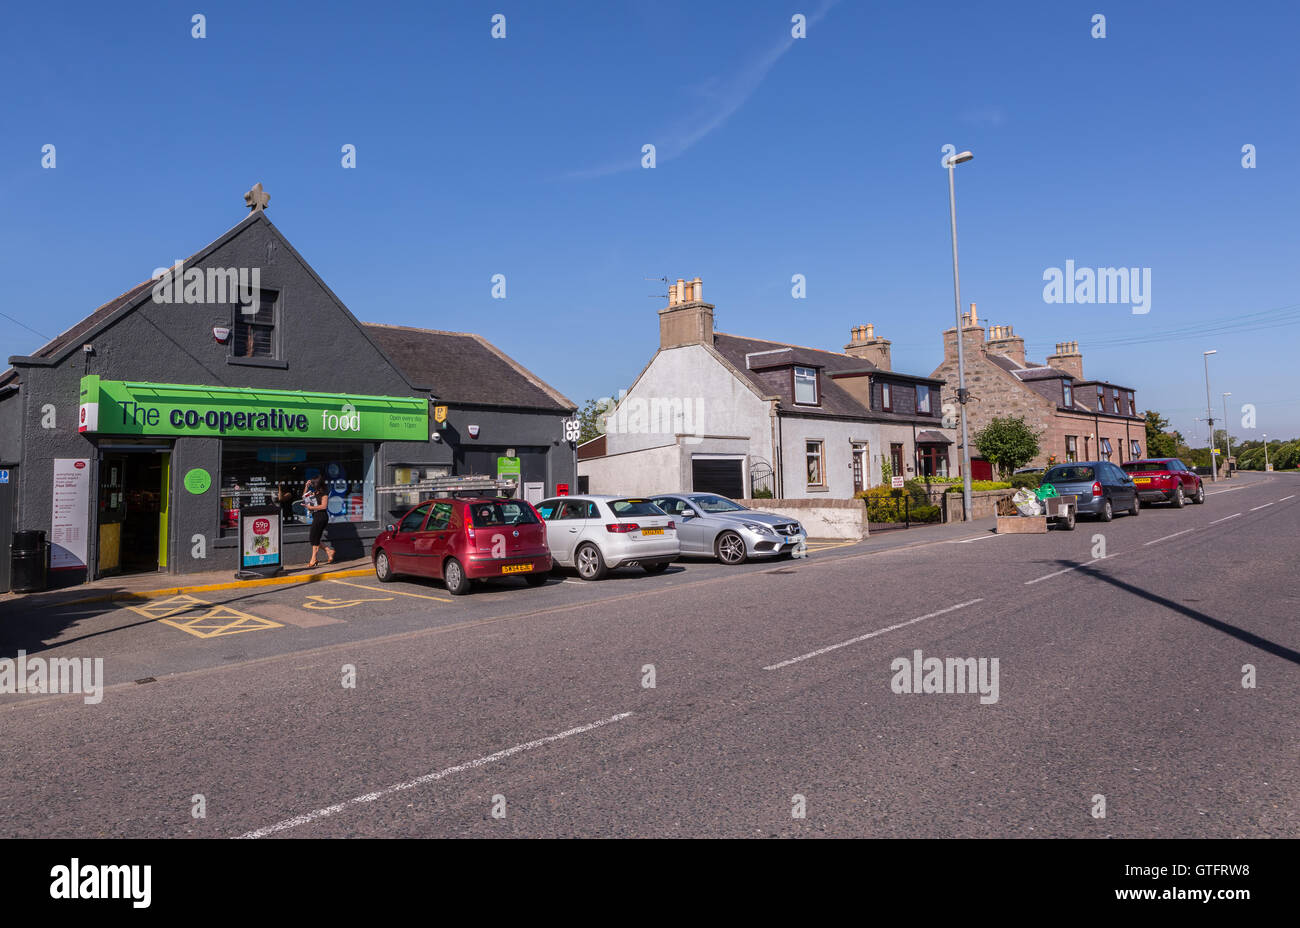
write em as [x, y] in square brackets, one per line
[818, 156]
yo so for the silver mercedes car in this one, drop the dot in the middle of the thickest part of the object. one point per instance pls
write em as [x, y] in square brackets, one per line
[714, 526]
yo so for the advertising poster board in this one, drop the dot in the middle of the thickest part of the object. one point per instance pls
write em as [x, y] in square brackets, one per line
[71, 511]
[259, 541]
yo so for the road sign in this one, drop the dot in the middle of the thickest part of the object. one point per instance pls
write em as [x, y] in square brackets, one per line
[4, 476]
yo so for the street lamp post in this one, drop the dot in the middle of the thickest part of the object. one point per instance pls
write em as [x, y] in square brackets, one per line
[962, 396]
[1225, 432]
[1209, 414]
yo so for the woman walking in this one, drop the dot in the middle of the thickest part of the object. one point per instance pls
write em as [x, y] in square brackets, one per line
[316, 498]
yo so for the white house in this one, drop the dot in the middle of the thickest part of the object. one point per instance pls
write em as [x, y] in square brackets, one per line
[733, 415]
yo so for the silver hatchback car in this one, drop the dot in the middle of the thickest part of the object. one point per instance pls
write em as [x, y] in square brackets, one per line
[714, 526]
[596, 534]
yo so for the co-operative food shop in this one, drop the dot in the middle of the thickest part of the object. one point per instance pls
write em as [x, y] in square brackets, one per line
[135, 438]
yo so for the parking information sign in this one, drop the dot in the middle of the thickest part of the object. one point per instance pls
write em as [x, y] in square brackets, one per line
[259, 540]
[896, 483]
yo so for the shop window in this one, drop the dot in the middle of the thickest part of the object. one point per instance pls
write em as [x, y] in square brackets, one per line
[267, 474]
[805, 386]
[254, 334]
[923, 399]
[815, 465]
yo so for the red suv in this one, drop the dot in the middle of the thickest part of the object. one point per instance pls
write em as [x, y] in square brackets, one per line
[462, 540]
[1165, 479]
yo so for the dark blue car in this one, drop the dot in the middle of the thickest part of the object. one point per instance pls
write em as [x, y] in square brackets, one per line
[1103, 489]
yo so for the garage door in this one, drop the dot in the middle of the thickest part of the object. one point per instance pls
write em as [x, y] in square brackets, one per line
[718, 475]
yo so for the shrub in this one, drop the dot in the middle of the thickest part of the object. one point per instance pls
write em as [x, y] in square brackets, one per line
[762, 493]
[1028, 481]
[977, 486]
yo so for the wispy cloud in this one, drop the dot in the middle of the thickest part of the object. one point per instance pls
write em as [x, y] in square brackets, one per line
[722, 96]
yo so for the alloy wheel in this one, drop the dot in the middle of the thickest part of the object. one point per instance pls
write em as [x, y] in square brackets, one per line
[731, 548]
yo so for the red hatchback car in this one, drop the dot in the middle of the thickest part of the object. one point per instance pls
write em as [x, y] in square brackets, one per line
[1165, 479]
[462, 540]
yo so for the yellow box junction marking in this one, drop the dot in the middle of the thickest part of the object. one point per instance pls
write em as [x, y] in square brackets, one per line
[220, 621]
[324, 602]
[161, 609]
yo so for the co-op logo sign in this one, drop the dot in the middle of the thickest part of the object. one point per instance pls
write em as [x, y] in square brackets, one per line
[348, 419]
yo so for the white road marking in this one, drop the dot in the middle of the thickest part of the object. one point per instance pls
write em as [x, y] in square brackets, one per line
[579, 582]
[1167, 537]
[845, 644]
[1065, 571]
[1229, 490]
[427, 778]
[966, 541]
[1285, 498]
[1225, 518]
[1258, 508]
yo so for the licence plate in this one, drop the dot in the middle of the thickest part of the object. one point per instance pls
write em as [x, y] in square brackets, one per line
[1141, 479]
[792, 539]
[516, 568]
[652, 531]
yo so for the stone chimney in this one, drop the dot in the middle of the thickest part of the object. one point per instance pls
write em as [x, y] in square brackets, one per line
[865, 344]
[972, 336]
[1067, 359]
[1003, 340]
[687, 319]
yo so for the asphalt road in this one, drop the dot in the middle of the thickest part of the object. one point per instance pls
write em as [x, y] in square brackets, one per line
[1120, 675]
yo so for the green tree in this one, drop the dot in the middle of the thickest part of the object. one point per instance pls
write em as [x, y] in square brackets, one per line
[1160, 442]
[591, 418]
[1007, 442]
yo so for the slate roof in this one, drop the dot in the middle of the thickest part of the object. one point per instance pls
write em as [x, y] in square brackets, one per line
[1044, 380]
[462, 367]
[835, 400]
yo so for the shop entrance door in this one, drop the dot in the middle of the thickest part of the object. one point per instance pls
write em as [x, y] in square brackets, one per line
[132, 511]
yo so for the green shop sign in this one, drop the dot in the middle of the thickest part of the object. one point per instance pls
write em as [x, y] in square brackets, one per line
[122, 407]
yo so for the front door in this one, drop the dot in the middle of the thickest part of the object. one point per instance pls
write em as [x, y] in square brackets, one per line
[861, 466]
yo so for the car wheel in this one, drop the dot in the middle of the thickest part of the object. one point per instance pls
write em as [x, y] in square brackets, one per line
[1107, 512]
[453, 574]
[1137, 505]
[535, 579]
[730, 548]
[1200, 494]
[591, 566]
[1179, 500]
[383, 569]
[655, 568]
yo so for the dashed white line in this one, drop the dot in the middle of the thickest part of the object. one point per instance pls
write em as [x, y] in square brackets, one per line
[1065, 571]
[1285, 498]
[881, 631]
[1229, 490]
[966, 541]
[1225, 518]
[326, 812]
[1167, 537]
[1258, 508]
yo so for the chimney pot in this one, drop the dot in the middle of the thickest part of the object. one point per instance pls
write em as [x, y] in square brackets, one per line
[869, 330]
[974, 320]
[698, 287]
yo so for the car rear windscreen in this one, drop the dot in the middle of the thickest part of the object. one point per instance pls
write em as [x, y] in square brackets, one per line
[505, 512]
[1133, 467]
[634, 507]
[1069, 474]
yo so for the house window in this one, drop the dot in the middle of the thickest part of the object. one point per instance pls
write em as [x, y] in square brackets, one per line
[1114, 400]
[1071, 447]
[1104, 449]
[805, 386]
[933, 459]
[886, 397]
[1068, 391]
[1101, 399]
[1134, 449]
[1132, 404]
[816, 468]
[922, 399]
[254, 333]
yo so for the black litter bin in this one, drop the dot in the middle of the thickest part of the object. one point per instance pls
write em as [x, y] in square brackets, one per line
[29, 562]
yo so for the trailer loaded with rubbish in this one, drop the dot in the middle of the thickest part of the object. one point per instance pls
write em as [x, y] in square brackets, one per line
[1029, 512]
